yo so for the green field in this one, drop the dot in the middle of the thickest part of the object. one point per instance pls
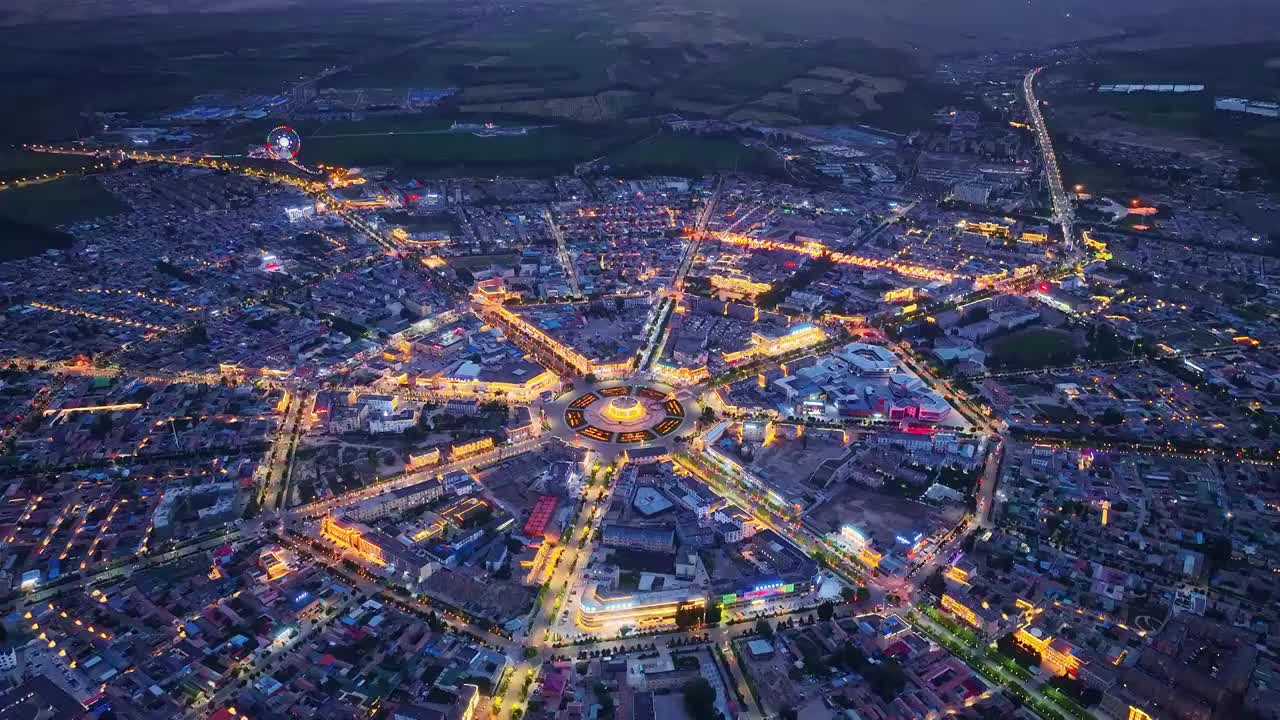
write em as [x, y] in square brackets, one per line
[143, 65]
[1249, 70]
[409, 70]
[1037, 347]
[29, 215]
[740, 82]
[470, 262]
[678, 154]
[1191, 116]
[541, 151]
[1225, 70]
[750, 72]
[59, 202]
[22, 164]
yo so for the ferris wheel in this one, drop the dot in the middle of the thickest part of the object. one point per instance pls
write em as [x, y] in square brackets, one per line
[283, 143]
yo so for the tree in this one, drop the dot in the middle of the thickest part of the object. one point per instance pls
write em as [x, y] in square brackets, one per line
[1218, 552]
[714, 613]
[764, 628]
[853, 658]
[1112, 416]
[886, 679]
[688, 616]
[605, 698]
[435, 623]
[1076, 690]
[826, 611]
[686, 662]
[700, 700]
[102, 426]
[198, 334]
[935, 584]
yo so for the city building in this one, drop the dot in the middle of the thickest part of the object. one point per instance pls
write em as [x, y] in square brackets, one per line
[653, 538]
[602, 608]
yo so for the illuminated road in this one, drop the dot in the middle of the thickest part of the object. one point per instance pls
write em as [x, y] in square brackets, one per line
[990, 480]
[372, 584]
[1063, 212]
[566, 576]
[578, 547]
[656, 332]
[818, 250]
[265, 657]
[196, 545]
[318, 508]
[562, 249]
[990, 670]
[793, 532]
[699, 228]
[29, 181]
[311, 186]
[751, 703]
[276, 486]
[1095, 366]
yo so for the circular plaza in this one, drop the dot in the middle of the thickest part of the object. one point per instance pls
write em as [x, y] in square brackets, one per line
[613, 416]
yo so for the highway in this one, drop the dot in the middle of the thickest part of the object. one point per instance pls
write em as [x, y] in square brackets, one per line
[1063, 212]
[29, 181]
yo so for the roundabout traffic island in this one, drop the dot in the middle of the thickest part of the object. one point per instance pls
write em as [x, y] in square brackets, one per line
[623, 410]
[624, 414]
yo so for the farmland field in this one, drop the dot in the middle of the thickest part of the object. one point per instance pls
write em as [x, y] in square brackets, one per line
[540, 151]
[687, 155]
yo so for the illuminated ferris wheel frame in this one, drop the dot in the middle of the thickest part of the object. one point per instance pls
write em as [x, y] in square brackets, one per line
[283, 143]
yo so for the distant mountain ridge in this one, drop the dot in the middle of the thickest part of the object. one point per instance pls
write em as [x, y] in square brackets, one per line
[26, 12]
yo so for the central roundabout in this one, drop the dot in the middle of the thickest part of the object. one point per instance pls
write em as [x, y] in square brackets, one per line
[624, 410]
[615, 415]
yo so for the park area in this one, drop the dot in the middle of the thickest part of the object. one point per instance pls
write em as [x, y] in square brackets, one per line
[1032, 348]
